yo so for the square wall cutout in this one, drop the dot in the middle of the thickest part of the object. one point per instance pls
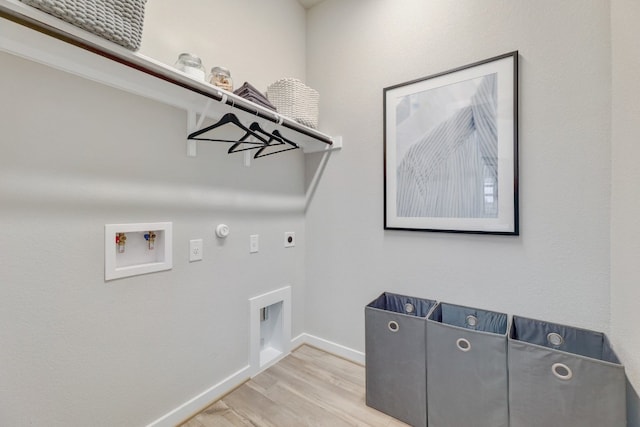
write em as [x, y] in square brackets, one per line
[133, 249]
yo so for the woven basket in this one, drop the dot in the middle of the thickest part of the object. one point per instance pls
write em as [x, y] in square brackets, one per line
[294, 99]
[119, 21]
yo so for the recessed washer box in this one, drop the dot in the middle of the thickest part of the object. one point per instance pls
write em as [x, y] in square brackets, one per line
[146, 249]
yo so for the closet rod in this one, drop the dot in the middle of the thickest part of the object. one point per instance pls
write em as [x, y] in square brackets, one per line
[138, 64]
[237, 103]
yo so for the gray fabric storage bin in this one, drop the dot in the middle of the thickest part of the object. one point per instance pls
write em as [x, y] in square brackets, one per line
[560, 376]
[467, 367]
[395, 356]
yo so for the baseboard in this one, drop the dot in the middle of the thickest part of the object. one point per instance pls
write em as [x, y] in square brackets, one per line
[330, 347]
[298, 341]
[201, 401]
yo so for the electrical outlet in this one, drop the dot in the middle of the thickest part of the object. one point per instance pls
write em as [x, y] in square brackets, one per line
[289, 239]
[195, 250]
[254, 243]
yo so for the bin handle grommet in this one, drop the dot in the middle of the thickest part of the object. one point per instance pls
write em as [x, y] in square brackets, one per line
[463, 344]
[555, 339]
[393, 326]
[562, 371]
[471, 321]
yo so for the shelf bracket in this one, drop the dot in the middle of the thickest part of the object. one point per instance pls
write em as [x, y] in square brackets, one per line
[192, 147]
[194, 123]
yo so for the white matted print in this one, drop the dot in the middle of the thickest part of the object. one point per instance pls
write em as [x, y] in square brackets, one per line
[451, 150]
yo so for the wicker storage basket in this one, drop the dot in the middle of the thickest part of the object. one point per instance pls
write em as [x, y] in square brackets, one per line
[119, 21]
[294, 99]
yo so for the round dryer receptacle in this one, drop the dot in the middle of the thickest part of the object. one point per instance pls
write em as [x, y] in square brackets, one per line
[222, 230]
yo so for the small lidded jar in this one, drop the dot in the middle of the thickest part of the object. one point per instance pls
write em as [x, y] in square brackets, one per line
[221, 77]
[191, 65]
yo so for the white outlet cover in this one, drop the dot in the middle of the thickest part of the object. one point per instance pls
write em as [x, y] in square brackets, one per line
[195, 250]
[254, 243]
[289, 239]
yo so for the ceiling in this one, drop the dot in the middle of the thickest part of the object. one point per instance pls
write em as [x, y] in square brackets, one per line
[308, 4]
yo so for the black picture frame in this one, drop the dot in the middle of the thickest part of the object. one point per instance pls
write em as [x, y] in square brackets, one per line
[451, 150]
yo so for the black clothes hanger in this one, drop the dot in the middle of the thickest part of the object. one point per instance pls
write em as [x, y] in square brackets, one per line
[229, 118]
[275, 138]
[283, 141]
[255, 127]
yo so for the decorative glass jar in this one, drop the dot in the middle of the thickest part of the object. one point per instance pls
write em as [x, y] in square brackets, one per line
[191, 65]
[221, 77]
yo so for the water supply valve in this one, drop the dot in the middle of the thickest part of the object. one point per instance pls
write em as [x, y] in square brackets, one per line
[121, 240]
[150, 237]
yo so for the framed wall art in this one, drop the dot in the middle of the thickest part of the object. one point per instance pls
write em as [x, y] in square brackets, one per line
[451, 150]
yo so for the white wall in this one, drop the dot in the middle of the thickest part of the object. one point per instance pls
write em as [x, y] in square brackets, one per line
[558, 269]
[625, 200]
[259, 42]
[76, 350]
[73, 157]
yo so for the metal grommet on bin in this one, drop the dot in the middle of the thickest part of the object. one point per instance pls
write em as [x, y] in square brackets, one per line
[555, 339]
[393, 326]
[463, 344]
[471, 321]
[562, 371]
[409, 308]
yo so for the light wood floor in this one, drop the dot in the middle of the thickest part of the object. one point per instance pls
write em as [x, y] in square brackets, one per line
[307, 388]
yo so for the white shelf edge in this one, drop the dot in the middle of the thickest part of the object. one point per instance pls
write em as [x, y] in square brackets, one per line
[336, 145]
[60, 45]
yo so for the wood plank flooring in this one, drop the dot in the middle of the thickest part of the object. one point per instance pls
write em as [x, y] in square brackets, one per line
[307, 388]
